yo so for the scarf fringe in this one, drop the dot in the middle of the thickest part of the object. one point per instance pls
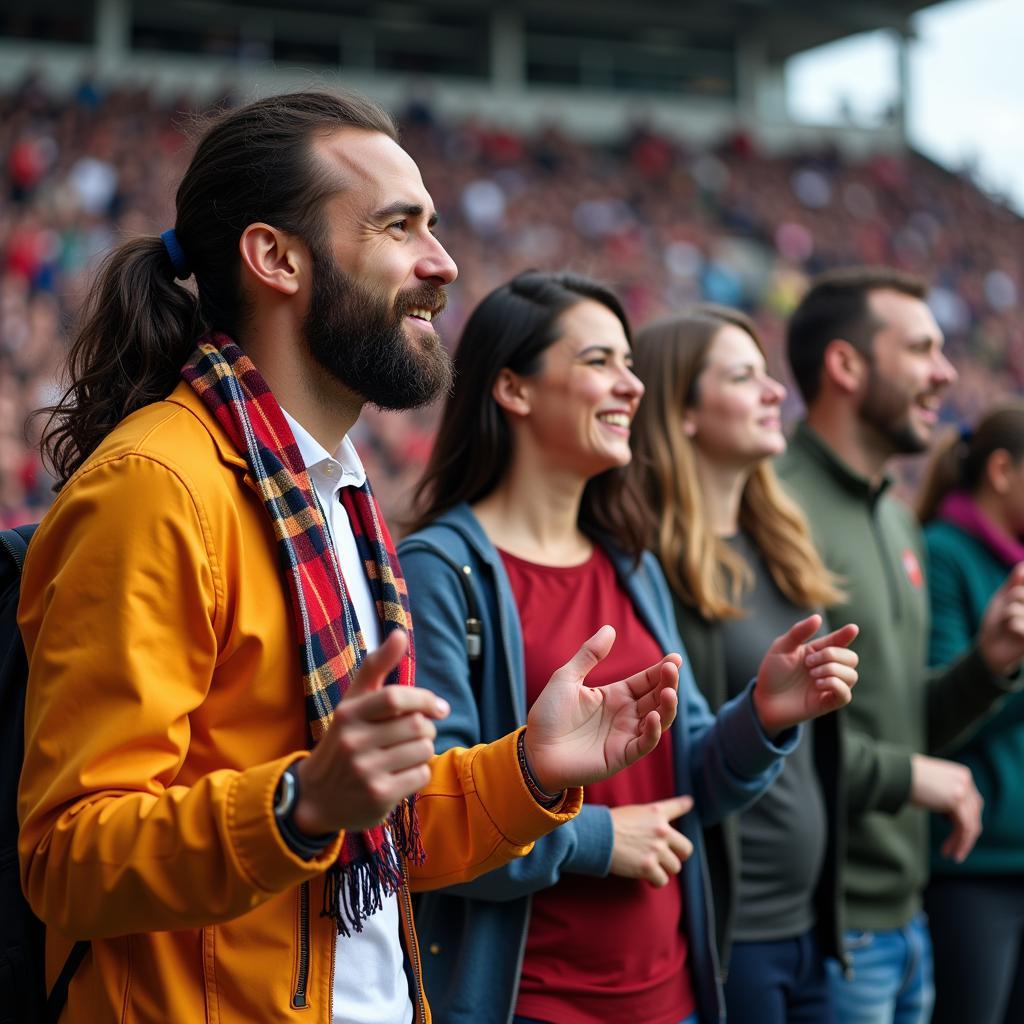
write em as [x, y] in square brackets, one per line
[355, 891]
[404, 825]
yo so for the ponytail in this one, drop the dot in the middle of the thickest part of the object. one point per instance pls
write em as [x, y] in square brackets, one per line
[138, 330]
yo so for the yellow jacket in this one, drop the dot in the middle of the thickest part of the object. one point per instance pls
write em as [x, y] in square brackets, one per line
[164, 702]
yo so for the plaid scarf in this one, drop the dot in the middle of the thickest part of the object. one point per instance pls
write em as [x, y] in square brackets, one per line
[331, 644]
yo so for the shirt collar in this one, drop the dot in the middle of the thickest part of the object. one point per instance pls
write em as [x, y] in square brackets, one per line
[342, 469]
[807, 437]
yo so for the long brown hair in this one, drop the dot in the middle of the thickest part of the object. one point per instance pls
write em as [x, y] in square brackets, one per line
[139, 326]
[705, 572]
[511, 328]
[960, 461]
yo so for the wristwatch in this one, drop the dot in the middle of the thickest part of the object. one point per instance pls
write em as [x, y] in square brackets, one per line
[287, 794]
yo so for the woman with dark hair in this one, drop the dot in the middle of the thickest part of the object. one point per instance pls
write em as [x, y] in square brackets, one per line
[972, 506]
[529, 539]
[739, 558]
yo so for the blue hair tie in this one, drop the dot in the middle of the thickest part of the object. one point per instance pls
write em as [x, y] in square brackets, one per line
[966, 434]
[182, 271]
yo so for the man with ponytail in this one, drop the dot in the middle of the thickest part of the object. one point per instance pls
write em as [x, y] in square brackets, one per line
[229, 784]
[867, 355]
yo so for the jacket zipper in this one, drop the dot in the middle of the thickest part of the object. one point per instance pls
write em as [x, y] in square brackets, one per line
[302, 975]
[414, 949]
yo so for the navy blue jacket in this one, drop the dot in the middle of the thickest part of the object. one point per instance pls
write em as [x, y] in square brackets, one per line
[473, 935]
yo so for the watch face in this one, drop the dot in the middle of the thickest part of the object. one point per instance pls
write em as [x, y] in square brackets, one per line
[284, 798]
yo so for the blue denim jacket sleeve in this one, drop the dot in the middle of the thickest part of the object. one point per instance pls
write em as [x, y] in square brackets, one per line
[581, 846]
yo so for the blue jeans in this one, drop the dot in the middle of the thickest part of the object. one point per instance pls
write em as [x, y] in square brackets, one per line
[778, 982]
[891, 979]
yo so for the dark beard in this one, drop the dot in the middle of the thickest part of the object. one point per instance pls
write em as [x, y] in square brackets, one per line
[359, 339]
[886, 409]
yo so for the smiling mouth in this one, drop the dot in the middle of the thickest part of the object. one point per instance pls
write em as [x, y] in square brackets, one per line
[421, 314]
[615, 419]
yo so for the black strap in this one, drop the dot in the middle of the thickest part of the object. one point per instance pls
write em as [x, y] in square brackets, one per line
[463, 573]
[59, 993]
[16, 542]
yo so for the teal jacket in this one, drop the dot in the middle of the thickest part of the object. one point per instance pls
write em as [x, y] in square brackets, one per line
[899, 708]
[963, 574]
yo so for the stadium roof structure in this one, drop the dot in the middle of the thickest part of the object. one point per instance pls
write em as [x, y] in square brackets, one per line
[704, 64]
[783, 27]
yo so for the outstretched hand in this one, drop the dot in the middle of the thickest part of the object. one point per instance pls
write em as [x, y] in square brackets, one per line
[800, 678]
[1001, 637]
[578, 734]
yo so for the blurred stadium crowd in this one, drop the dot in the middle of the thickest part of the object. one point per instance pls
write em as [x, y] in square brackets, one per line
[664, 224]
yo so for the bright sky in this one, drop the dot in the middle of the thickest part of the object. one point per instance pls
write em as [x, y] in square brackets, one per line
[966, 87]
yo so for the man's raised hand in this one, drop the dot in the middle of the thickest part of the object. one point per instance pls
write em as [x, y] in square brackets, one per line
[375, 752]
[578, 734]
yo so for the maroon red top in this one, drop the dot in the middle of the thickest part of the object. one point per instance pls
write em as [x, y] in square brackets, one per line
[599, 949]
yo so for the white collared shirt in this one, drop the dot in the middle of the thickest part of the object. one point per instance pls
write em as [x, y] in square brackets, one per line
[370, 985]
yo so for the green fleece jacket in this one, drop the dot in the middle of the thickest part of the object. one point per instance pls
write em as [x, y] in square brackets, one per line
[874, 543]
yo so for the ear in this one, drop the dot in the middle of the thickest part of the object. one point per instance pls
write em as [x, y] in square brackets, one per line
[689, 424]
[844, 366]
[998, 467]
[274, 258]
[511, 392]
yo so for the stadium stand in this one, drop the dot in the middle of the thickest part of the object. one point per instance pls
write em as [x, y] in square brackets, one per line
[664, 223]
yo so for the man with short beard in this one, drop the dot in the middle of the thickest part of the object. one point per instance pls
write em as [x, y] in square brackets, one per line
[867, 356]
[219, 792]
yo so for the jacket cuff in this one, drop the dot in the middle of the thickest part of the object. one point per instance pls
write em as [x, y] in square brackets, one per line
[895, 776]
[255, 837]
[595, 841]
[498, 781]
[973, 666]
[748, 749]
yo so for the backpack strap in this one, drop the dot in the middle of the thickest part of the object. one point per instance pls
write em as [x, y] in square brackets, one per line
[16, 542]
[59, 993]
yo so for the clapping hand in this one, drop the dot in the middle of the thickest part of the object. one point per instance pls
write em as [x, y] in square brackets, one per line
[578, 734]
[1001, 637]
[801, 678]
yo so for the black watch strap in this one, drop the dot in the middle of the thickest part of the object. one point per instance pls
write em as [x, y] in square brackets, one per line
[306, 847]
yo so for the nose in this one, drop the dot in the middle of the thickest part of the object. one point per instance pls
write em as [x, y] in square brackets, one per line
[435, 264]
[944, 372]
[774, 391]
[629, 385]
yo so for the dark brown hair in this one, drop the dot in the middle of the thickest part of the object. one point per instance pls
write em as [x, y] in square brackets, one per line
[960, 461]
[139, 325]
[836, 306]
[669, 357]
[512, 328]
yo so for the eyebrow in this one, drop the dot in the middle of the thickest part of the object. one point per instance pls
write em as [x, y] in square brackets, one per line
[936, 340]
[605, 350]
[406, 210]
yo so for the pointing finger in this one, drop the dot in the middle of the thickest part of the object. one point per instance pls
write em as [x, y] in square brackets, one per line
[797, 634]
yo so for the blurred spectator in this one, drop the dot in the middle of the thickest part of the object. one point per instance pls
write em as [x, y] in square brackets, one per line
[665, 226]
